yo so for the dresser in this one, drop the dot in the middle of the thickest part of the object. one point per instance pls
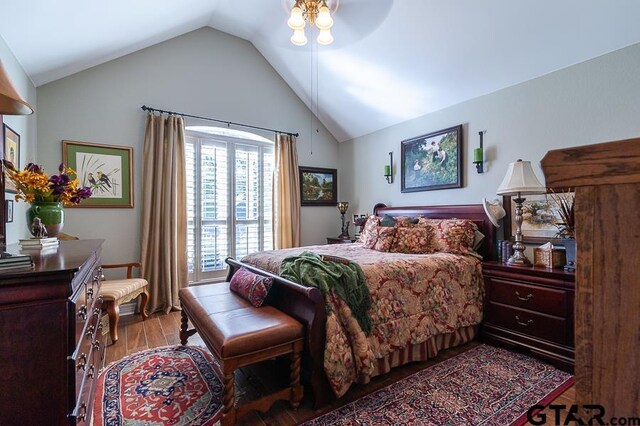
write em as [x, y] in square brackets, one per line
[51, 333]
[606, 178]
[530, 308]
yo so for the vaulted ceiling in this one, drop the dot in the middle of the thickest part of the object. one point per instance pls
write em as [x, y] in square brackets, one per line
[391, 60]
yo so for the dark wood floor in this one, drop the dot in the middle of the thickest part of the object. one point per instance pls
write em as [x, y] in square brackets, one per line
[162, 330]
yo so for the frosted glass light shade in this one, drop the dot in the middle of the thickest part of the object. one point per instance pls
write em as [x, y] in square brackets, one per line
[11, 103]
[520, 179]
[325, 37]
[296, 21]
[324, 20]
[299, 38]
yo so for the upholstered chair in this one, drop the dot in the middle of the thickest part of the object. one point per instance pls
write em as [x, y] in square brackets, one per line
[116, 292]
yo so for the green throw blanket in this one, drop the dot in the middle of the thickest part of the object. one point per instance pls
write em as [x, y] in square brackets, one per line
[344, 277]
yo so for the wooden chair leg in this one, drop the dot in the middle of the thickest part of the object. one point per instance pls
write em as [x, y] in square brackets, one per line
[113, 310]
[296, 389]
[228, 402]
[144, 298]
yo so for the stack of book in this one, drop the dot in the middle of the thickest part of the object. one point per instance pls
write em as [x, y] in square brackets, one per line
[10, 261]
[39, 243]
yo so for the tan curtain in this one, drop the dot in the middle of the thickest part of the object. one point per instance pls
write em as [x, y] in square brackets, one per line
[164, 221]
[286, 194]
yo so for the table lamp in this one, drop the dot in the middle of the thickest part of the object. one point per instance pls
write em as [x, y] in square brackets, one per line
[520, 180]
[343, 206]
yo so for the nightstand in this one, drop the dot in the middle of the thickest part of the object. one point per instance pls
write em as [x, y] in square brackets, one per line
[530, 308]
[336, 240]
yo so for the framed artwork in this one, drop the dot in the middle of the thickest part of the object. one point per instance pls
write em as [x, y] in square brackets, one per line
[106, 169]
[432, 161]
[11, 150]
[8, 210]
[318, 186]
[539, 219]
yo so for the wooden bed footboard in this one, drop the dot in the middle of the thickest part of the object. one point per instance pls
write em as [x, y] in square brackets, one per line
[306, 304]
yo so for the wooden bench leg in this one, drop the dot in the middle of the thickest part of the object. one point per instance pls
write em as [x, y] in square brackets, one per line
[296, 389]
[144, 298]
[228, 402]
[113, 310]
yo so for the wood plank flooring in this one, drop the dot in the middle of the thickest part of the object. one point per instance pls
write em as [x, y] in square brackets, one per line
[135, 335]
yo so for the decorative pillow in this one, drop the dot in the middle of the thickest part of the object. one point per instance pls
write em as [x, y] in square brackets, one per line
[368, 233]
[388, 221]
[478, 238]
[251, 287]
[451, 235]
[385, 238]
[413, 240]
[398, 221]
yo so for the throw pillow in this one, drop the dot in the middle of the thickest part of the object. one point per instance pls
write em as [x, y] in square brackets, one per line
[385, 238]
[413, 240]
[252, 287]
[369, 235]
[451, 235]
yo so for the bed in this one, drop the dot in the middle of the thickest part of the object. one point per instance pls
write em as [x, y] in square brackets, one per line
[421, 304]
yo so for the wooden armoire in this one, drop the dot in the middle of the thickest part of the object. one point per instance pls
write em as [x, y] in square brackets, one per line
[606, 178]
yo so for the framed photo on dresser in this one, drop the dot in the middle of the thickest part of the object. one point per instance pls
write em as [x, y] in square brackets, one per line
[11, 152]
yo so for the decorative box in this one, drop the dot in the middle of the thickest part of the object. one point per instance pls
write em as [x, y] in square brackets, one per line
[549, 256]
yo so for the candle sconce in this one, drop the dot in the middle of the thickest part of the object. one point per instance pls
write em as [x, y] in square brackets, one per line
[478, 154]
[388, 170]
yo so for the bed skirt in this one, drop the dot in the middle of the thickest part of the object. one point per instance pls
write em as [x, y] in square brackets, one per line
[425, 350]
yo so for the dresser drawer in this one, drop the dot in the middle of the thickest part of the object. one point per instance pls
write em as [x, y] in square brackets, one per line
[527, 322]
[540, 299]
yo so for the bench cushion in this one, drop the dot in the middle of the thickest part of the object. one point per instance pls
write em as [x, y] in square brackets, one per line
[119, 289]
[231, 325]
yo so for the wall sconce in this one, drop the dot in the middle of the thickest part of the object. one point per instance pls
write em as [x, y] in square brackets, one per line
[388, 170]
[478, 154]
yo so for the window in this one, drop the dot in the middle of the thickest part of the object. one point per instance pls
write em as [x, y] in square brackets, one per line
[229, 198]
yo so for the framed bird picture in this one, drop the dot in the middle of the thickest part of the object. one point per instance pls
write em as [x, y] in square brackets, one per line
[106, 169]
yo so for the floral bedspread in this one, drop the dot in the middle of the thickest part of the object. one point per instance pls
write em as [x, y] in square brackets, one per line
[413, 297]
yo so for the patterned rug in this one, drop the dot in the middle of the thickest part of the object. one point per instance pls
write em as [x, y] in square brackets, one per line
[482, 386]
[162, 386]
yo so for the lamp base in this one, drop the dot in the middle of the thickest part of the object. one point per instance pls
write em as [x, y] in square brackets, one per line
[519, 259]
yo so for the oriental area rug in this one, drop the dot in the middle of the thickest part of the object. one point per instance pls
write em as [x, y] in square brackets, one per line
[482, 386]
[162, 386]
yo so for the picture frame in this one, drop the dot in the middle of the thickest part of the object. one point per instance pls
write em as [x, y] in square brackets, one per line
[106, 169]
[539, 231]
[11, 152]
[318, 186]
[432, 161]
[8, 211]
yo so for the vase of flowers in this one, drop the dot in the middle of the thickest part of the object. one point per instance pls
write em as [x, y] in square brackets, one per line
[46, 194]
[564, 202]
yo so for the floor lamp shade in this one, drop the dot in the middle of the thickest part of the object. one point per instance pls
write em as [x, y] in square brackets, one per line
[11, 103]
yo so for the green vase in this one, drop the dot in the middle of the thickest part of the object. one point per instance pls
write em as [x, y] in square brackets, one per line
[51, 215]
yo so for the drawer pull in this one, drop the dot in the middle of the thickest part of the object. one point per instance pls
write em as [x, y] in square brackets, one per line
[82, 412]
[96, 345]
[82, 362]
[524, 324]
[524, 299]
[96, 312]
[82, 312]
[90, 332]
[91, 372]
[90, 292]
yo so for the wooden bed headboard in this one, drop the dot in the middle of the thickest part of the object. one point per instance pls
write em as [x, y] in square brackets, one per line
[473, 212]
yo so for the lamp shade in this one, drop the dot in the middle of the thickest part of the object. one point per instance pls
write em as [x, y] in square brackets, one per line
[520, 179]
[11, 103]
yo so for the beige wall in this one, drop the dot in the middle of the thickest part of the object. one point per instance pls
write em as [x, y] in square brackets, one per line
[25, 126]
[207, 73]
[595, 101]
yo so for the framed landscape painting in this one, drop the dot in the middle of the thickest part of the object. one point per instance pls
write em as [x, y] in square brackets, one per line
[318, 186]
[106, 169]
[432, 161]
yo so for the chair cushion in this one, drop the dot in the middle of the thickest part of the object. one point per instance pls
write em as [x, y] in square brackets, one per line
[231, 326]
[119, 289]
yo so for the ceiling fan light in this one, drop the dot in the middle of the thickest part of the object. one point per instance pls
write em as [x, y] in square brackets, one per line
[296, 20]
[299, 38]
[325, 37]
[324, 20]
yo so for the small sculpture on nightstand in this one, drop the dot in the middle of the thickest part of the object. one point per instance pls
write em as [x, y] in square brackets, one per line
[38, 230]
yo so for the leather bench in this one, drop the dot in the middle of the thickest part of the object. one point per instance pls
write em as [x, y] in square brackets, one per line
[239, 334]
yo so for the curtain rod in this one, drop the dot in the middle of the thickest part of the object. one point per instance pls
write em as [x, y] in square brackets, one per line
[146, 108]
